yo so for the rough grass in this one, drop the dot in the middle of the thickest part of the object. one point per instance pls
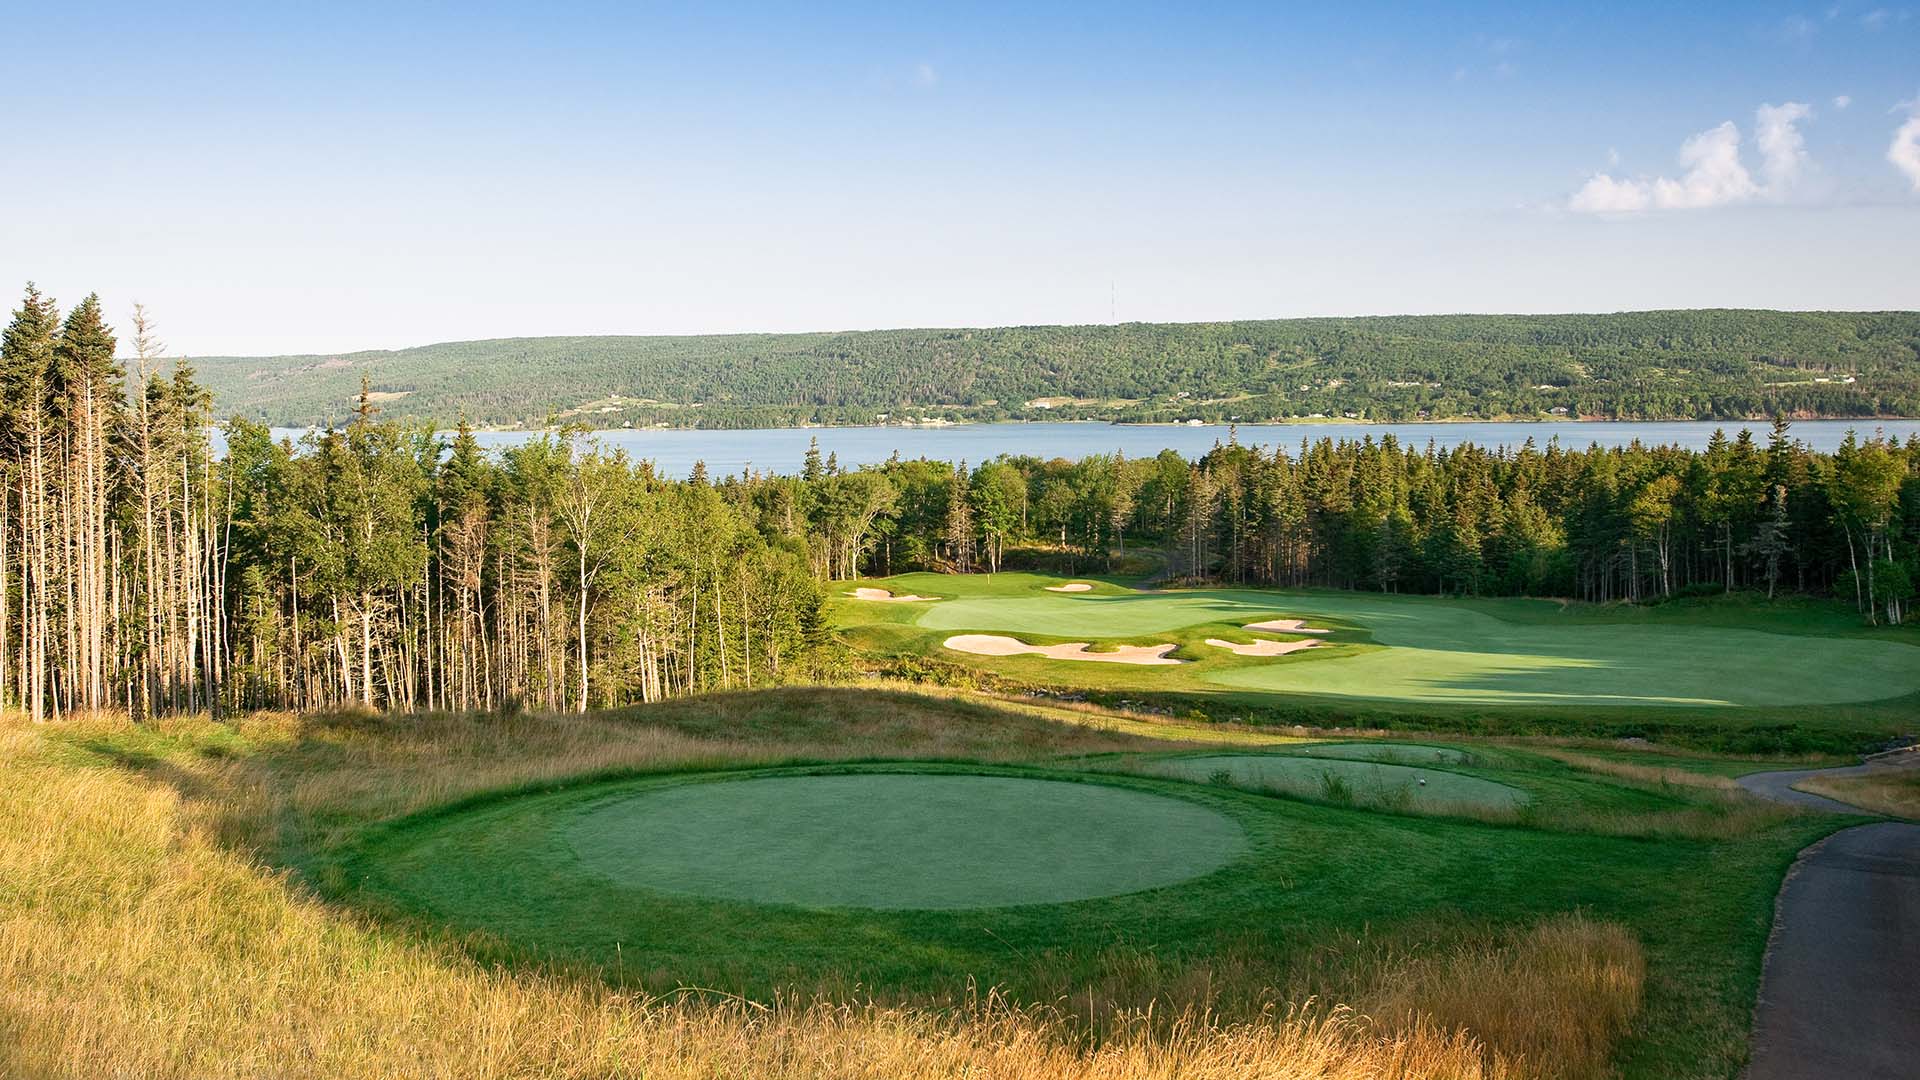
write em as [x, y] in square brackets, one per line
[1895, 792]
[145, 930]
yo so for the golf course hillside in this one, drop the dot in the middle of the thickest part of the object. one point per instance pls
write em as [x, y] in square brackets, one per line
[1373, 649]
[1021, 873]
[919, 883]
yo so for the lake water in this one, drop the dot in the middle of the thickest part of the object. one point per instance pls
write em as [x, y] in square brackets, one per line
[781, 450]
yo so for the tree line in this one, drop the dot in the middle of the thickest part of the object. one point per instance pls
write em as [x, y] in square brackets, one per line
[377, 563]
[1636, 524]
[382, 563]
[1711, 364]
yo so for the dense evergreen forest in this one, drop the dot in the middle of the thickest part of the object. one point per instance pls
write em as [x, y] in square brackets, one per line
[381, 562]
[1660, 365]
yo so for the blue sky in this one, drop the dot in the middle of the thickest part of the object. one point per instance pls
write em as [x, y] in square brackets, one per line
[290, 178]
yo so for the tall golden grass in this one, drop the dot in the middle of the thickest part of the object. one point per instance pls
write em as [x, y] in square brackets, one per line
[1640, 772]
[1891, 791]
[145, 932]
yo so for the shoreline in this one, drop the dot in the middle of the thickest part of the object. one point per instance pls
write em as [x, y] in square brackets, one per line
[1588, 421]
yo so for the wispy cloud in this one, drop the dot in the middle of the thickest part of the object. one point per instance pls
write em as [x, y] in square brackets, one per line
[1712, 172]
[1491, 55]
[1783, 151]
[1877, 18]
[1795, 28]
[1904, 152]
[924, 74]
[1841, 101]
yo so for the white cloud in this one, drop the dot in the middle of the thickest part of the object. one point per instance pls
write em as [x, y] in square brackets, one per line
[1783, 152]
[924, 75]
[1905, 151]
[1877, 18]
[1714, 175]
[1713, 172]
[1842, 101]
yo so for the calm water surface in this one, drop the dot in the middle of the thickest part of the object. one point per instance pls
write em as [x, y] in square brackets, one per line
[781, 450]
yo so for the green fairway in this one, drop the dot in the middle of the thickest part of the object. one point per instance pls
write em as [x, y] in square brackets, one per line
[897, 841]
[1422, 650]
[1362, 783]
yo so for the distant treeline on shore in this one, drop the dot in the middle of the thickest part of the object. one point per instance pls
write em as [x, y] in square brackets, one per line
[1659, 365]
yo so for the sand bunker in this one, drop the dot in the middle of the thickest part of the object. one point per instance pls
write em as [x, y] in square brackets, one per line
[999, 645]
[882, 594]
[1071, 586]
[1261, 648]
[1286, 626]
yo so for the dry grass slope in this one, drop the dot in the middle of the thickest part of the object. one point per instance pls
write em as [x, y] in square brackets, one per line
[1895, 792]
[145, 932]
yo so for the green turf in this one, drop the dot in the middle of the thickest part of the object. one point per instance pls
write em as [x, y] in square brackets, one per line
[1362, 783]
[898, 841]
[1310, 876]
[1390, 753]
[1449, 653]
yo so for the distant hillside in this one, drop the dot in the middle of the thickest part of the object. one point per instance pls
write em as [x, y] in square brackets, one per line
[1714, 364]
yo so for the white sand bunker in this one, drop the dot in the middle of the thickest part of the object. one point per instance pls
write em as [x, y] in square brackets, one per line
[1286, 626]
[1071, 586]
[1000, 645]
[882, 594]
[1263, 648]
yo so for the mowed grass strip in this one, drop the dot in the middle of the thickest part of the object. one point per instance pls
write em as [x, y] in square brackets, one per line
[898, 840]
[1444, 652]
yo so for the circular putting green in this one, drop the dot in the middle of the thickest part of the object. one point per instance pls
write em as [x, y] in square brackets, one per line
[898, 840]
[1364, 783]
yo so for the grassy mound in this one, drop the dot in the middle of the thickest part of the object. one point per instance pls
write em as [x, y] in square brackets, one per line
[1362, 783]
[1390, 753]
[143, 935]
[896, 840]
[198, 899]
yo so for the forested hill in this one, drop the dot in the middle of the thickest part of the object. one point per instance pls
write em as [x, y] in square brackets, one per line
[1711, 364]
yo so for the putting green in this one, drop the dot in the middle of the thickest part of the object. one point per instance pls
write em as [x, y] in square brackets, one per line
[880, 840]
[1368, 783]
[1456, 654]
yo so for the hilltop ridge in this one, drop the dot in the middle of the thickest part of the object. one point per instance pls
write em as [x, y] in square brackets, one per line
[1654, 365]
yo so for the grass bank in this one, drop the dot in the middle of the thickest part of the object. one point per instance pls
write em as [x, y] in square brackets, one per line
[210, 900]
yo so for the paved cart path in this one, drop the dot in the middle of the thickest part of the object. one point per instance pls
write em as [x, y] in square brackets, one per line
[1839, 996]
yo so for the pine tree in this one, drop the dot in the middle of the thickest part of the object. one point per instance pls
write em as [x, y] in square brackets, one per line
[26, 366]
[88, 403]
[1770, 538]
[959, 521]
